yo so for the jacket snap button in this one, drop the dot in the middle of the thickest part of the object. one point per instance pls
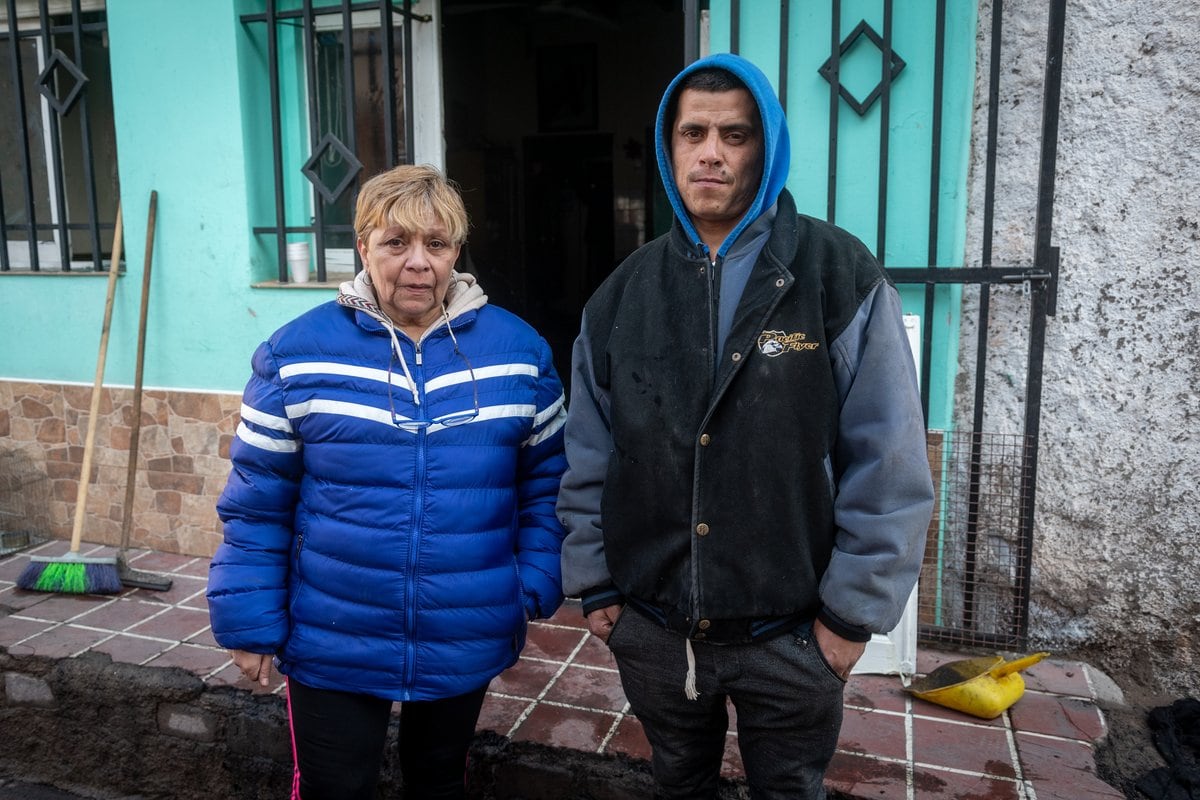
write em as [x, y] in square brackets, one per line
[704, 624]
[705, 439]
[779, 283]
[737, 356]
[702, 529]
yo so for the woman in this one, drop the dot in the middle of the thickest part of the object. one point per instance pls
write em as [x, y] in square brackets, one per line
[389, 519]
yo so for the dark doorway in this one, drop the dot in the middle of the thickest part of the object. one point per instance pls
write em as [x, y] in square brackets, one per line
[549, 114]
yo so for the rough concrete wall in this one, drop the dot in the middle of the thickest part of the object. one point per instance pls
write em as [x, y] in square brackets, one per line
[1116, 562]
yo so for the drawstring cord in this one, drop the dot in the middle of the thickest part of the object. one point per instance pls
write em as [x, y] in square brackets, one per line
[689, 683]
[399, 353]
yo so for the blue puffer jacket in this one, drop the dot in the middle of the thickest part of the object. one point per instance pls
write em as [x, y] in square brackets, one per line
[389, 519]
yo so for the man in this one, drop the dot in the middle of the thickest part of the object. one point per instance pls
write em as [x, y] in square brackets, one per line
[748, 491]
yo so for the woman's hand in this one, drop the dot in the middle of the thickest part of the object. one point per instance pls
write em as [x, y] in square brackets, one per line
[255, 666]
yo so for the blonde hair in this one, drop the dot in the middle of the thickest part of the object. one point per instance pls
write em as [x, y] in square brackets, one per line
[405, 196]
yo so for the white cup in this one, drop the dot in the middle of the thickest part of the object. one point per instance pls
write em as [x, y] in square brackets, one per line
[298, 258]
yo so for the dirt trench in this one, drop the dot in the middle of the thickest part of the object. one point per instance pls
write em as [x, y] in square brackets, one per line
[89, 727]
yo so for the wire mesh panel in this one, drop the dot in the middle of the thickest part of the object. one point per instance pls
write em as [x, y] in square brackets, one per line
[24, 501]
[973, 589]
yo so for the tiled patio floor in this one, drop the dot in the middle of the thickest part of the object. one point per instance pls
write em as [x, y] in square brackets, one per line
[565, 692]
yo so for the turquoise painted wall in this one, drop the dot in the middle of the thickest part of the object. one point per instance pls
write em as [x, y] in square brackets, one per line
[185, 122]
[909, 131]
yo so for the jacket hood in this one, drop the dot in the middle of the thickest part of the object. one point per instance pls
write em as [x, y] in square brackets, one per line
[465, 294]
[776, 145]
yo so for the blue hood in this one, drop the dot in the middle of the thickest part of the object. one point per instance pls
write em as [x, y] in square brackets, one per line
[777, 150]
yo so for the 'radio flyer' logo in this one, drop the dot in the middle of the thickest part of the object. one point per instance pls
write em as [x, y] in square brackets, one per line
[776, 343]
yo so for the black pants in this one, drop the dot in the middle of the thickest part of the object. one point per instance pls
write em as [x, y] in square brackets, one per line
[787, 698]
[338, 738]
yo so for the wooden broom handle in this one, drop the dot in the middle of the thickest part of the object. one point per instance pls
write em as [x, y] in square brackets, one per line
[135, 433]
[85, 475]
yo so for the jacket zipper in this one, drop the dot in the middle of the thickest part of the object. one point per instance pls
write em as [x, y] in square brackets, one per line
[410, 586]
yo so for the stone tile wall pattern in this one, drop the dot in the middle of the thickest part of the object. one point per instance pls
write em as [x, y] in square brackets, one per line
[182, 463]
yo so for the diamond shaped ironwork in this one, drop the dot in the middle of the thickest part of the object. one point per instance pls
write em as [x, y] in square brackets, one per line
[45, 82]
[331, 145]
[827, 70]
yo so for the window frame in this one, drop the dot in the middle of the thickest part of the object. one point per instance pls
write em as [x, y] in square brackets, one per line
[348, 17]
[42, 22]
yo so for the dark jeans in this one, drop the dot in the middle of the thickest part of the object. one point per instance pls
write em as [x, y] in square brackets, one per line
[338, 738]
[788, 703]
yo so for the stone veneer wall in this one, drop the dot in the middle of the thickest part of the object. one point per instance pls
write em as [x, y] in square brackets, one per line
[183, 462]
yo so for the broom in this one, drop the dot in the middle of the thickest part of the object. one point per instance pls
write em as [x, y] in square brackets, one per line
[72, 573]
[139, 579]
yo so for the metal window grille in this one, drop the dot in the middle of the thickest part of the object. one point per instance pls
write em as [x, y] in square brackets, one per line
[58, 157]
[348, 118]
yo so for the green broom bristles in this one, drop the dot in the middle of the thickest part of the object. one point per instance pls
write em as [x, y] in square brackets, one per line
[71, 574]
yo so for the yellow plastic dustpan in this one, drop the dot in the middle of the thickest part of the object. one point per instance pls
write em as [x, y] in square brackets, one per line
[982, 687]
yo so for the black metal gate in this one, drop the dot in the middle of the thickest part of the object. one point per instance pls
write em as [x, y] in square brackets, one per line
[975, 582]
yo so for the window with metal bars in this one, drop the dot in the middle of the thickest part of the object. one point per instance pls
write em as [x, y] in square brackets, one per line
[334, 78]
[58, 150]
